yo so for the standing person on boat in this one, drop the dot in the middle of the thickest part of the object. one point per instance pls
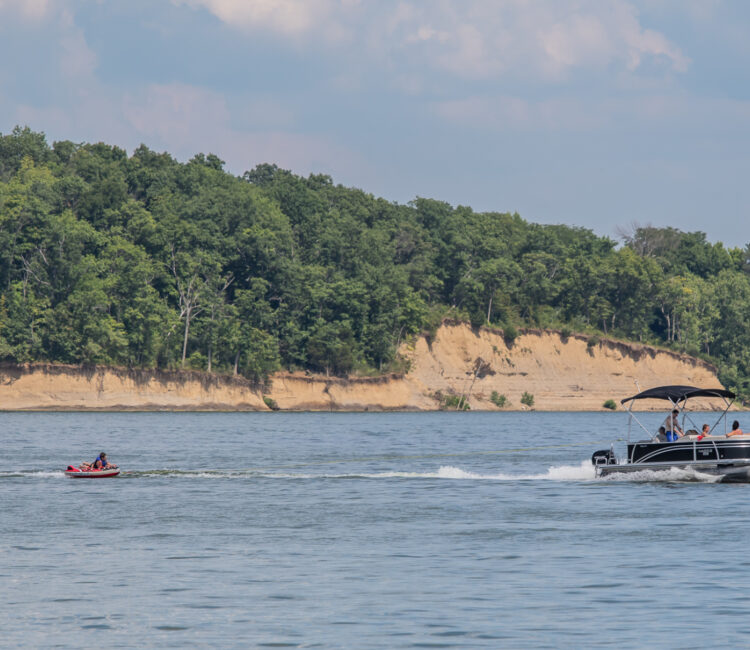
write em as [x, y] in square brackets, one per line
[736, 431]
[671, 424]
[102, 463]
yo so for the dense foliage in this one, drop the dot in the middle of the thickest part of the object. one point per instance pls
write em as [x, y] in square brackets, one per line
[145, 261]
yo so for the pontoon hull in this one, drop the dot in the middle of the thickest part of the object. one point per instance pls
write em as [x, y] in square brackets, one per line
[726, 457]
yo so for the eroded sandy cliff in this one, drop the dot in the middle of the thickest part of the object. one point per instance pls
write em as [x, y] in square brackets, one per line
[61, 387]
[561, 373]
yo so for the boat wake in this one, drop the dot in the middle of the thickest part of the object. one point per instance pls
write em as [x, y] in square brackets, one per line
[581, 472]
[31, 473]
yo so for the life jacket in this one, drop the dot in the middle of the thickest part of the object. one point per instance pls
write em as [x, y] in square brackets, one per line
[99, 460]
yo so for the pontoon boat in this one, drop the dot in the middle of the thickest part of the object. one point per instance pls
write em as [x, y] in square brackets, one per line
[715, 453]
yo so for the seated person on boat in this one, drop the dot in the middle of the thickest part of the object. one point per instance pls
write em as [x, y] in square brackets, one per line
[736, 431]
[705, 432]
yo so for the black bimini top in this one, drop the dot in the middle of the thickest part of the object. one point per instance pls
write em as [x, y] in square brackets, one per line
[679, 393]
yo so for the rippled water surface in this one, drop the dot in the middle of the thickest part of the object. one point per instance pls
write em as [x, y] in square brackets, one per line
[360, 531]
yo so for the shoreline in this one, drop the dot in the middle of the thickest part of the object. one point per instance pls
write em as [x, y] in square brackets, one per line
[562, 374]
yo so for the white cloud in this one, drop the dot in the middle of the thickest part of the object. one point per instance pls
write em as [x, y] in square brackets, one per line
[27, 9]
[74, 60]
[641, 43]
[578, 40]
[77, 60]
[291, 18]
[486, 38]
[285, 16]
[468, 38]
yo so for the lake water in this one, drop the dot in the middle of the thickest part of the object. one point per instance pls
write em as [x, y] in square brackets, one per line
[477, 530]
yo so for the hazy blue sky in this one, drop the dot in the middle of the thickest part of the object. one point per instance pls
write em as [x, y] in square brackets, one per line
[596, 113]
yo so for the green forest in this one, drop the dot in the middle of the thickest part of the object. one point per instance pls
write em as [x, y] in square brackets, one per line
[144, 261]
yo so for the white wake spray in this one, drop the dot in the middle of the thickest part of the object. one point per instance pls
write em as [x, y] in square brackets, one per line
[32, 473]
[671, 475]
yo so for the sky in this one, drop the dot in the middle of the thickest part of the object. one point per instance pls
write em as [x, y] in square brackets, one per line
[593, 113]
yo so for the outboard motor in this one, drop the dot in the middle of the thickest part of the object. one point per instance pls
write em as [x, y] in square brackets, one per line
[603, 457]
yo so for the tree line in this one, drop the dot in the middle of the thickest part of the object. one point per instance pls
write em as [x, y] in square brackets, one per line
[144, 261]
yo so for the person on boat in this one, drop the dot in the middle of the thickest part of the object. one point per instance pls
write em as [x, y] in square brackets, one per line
[736, 431]
[102, 463]
[672, 427]
[662, 435]
[705, 432]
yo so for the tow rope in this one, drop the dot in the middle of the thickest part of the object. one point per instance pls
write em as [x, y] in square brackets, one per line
[464, 454]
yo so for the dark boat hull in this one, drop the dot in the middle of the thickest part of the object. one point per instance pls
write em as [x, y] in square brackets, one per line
[728, 458]
[688, 451]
